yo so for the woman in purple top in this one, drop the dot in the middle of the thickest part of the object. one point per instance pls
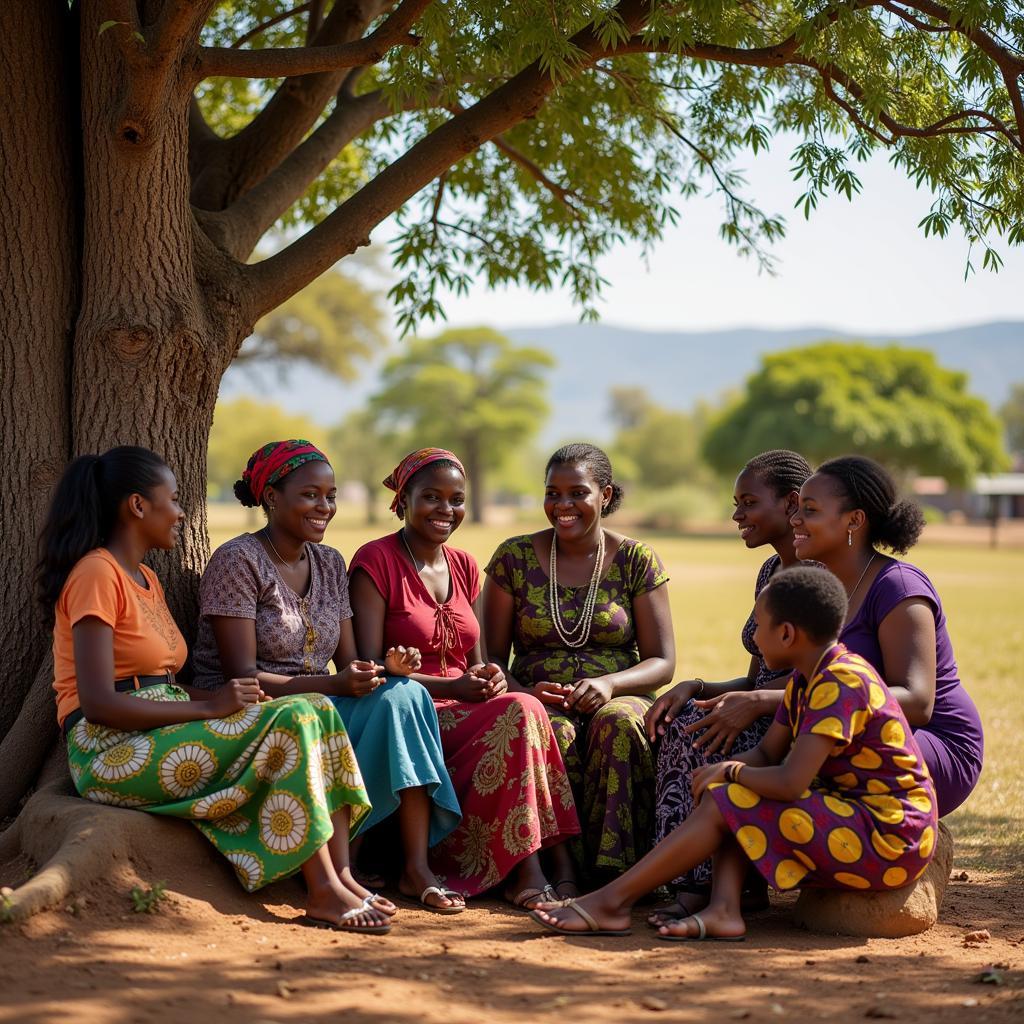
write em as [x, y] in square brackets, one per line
[848, 508]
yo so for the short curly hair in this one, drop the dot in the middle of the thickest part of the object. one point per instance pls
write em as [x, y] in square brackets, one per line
[810, 598]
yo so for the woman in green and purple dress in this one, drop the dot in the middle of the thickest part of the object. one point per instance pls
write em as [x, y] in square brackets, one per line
[585, 617]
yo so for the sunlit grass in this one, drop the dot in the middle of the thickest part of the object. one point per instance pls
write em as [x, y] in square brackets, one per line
[711, 593]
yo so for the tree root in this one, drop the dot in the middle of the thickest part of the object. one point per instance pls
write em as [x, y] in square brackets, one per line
[24, 748]
[79, 843]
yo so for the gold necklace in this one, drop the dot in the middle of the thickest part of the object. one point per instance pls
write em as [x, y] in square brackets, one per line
[283, 561]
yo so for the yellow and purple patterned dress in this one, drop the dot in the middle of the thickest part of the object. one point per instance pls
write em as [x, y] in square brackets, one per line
[869, 819]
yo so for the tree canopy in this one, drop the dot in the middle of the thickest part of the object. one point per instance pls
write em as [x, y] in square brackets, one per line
[894, 404]
[549, 132]
[1012, 412]
[470, 390]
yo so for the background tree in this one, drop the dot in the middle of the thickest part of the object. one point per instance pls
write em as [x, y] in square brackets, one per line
[1012, 412]
[335, 323]
[240, 426]
[894, 404]
[366, 452]
[654, 446]
[470, 390]
[156, 141]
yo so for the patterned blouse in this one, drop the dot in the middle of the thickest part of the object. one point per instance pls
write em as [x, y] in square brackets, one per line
[764, 674]
[539, 654]
[295, 636]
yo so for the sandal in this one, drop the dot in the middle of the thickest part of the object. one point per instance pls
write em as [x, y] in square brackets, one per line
[532, 895]
[702, 933]
[438, 890]
[341, 926]
[557, 888]
[593, 928]
[373, 901]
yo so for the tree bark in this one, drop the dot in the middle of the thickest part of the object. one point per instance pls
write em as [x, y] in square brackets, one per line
[162, 314]
[38, 258]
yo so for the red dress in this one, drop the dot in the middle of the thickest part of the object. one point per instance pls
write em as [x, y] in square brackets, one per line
[501, 753]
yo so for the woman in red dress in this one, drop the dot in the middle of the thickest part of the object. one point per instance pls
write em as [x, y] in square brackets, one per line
[410, 589]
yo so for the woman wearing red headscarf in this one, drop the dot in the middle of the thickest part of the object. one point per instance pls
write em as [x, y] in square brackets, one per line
[411, 589]
[275, 605]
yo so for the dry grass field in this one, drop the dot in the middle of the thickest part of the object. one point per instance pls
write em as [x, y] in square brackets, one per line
[711, 592]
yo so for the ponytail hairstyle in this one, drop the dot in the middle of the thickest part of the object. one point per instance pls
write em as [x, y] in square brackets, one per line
[83, 512]
[781, 470]
[597, 462]
[862, 483]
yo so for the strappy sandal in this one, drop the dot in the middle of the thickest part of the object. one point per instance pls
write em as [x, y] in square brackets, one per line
[438, 890]
[702, 933]
[593, 928]
[343, 926]
[532, 895]
[556, 886]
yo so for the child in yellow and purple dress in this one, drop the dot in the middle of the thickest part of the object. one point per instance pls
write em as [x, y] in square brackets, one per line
[836, 795]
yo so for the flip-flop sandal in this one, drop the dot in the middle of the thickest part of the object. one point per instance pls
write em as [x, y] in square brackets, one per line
[371, 901]
[529, 895]
[702, 933]
[341, 926]
[437, 890]
[670, 912]
[593, 928]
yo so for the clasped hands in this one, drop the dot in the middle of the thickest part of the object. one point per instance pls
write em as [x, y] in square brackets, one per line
[727, 716]
[359, 678]
[585, 696]
[479, 682]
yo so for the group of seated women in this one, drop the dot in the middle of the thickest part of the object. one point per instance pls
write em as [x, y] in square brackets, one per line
[511, 737]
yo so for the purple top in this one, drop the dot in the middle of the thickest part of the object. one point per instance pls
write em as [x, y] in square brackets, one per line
[295, 636]
[955, 720]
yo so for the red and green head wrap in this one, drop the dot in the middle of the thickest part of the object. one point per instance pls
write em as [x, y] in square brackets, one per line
[274, 461]
[413, 463]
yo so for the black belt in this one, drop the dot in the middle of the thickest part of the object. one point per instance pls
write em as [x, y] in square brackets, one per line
[121, 686]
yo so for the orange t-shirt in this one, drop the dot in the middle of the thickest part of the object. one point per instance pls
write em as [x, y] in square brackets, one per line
[146, 640]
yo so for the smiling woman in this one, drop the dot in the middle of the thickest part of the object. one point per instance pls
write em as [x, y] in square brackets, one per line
[275, 605]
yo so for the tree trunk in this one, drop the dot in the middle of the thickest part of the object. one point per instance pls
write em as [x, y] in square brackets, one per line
[475, 472]
[39, 249]
[162, 314]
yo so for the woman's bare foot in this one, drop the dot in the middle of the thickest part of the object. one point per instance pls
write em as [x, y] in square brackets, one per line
[385, 906]
[719, 923]
[526, 888]
[416, 879]
[683, 905]
[605, 915]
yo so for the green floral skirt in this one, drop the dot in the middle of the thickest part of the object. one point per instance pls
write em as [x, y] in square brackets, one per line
[260, 784]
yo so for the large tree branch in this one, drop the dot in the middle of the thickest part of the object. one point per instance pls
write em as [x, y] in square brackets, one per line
[285, 120]
[348, 227]
[288, 62]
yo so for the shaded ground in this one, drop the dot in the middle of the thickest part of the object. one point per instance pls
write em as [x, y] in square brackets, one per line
[213, 953]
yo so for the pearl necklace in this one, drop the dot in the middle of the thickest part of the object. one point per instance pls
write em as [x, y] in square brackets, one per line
[577, 634]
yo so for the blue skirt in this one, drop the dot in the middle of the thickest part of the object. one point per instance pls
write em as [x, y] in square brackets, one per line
[397, 741]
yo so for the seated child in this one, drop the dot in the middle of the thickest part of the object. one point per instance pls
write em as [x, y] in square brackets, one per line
[835, 795]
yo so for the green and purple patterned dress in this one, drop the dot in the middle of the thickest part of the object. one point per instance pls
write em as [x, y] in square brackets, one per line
[607, 756]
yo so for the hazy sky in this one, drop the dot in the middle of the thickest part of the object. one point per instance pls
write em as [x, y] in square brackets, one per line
[858, 266]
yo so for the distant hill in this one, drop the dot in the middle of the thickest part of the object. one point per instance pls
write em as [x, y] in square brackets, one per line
[677, 368]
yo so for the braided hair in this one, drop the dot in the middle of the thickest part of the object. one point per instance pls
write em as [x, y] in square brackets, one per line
[780, 469]
[862, 483]
[597, 461]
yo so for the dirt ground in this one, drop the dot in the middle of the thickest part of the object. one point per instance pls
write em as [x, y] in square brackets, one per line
[212, 953]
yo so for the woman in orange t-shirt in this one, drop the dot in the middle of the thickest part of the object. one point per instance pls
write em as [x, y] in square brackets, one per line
[274, 785]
